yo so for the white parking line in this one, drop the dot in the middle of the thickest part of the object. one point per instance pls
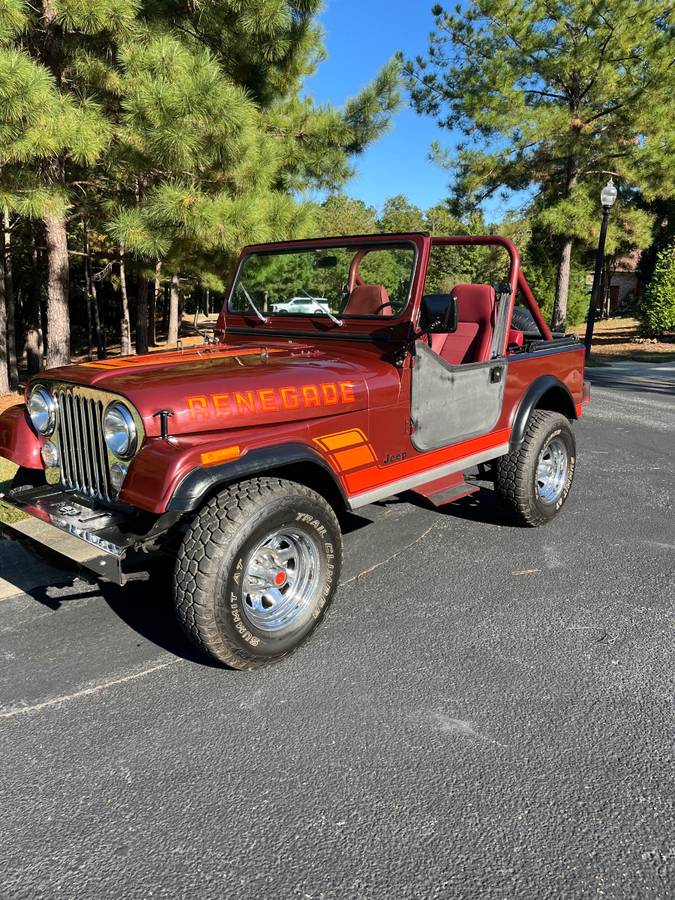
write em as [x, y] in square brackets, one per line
[84, 692]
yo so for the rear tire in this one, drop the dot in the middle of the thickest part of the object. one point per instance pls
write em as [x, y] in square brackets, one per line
[534, 481]
[257, 570]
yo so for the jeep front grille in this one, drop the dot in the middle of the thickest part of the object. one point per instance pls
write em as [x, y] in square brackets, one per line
[85, 466]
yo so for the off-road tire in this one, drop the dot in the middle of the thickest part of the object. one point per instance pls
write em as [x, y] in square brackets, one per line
[215, 551]
[515, 473]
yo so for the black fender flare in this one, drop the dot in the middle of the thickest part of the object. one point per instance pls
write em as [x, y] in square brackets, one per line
[200, 482]
[530, 400]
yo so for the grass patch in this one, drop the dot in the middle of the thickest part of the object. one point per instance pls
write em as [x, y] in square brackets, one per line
[7, 513]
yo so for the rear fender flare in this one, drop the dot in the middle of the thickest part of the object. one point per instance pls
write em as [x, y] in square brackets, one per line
[560, 399]
[204, 481]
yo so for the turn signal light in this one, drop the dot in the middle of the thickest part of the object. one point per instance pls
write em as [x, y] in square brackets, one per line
[226, 454]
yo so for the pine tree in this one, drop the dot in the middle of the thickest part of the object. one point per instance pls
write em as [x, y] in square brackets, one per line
[657, 309]
[551, 97]
[161, 138]
[219, 143]
[48, 127]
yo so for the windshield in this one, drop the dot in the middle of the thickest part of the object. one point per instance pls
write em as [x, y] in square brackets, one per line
[350, 282]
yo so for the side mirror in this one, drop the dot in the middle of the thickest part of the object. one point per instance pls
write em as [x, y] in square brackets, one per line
[442, 318]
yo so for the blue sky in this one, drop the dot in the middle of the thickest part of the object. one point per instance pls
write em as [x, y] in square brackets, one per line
[360, 37]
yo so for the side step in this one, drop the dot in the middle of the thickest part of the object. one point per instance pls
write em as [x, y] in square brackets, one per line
[446, 490]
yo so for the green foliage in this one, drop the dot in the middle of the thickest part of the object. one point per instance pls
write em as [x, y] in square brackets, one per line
[657, 309]
[399, 215]
[340, 215]
[92, 17]
[13, 19]
[550, 97]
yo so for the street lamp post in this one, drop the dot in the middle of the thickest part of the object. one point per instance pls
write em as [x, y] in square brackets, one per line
[608, 197]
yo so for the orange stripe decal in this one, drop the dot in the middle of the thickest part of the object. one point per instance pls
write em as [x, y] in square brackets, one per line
[348, 449]
[341, 439]
[374, 476]
[352, 459]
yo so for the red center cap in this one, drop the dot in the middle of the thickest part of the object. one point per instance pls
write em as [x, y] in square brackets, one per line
[280, 579]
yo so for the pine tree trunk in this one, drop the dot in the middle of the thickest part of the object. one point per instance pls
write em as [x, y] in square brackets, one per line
[142, 314]
[58, 315]
[154, 297]
[174, 302]
[10, 306]
[34, 345]
[99, 330]
[125, 323]
[4, 374]
[562, 289]
[165, 308]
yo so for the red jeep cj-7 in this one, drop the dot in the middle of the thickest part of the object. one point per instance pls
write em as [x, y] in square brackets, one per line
[238, 456]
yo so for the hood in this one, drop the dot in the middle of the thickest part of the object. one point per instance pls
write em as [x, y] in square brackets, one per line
[215, 387]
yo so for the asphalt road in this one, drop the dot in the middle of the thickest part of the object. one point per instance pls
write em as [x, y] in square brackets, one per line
[487, 711]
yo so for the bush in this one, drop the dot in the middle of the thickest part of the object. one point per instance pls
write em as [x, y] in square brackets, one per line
[657, 310]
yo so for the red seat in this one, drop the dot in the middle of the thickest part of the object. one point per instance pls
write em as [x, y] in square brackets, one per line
[472, 342]
[368, 300]
[516, 339]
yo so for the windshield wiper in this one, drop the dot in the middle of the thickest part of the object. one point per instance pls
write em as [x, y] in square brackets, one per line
[325, 312]
[252, 304]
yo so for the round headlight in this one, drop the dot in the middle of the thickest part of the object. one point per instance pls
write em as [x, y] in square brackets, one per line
[42, 410]
[119, 431]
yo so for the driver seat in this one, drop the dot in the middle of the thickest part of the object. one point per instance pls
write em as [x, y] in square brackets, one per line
[366, 299]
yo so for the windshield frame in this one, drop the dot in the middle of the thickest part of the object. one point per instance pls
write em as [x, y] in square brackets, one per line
[371, 243]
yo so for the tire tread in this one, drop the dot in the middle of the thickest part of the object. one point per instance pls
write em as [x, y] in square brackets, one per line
[216, 525]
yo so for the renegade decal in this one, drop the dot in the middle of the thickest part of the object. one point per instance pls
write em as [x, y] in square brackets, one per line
[246, 403]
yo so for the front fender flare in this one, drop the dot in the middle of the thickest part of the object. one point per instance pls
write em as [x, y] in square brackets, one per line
[198, 483]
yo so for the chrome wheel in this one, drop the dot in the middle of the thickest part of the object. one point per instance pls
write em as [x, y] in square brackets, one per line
[280, 587]
[552, 470]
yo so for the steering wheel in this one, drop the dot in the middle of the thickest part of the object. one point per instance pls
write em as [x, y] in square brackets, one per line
[383, 306]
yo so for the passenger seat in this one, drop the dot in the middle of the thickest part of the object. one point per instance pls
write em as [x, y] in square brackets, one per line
[476, 309]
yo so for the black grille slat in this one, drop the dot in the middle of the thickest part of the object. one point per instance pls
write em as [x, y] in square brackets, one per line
[84, 455]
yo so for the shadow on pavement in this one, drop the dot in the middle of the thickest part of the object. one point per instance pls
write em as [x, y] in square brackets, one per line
[635, 384]
[144, 605]
[483, 506]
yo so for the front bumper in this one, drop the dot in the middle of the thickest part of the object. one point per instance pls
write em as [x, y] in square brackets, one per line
[103, 540]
